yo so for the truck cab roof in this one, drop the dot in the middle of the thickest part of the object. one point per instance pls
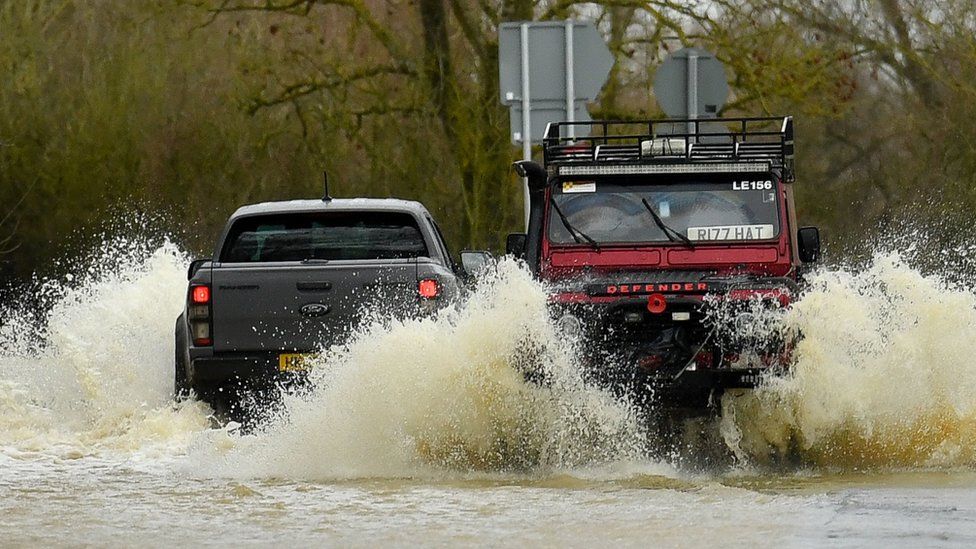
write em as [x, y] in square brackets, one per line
[335, 204]
[416, 210]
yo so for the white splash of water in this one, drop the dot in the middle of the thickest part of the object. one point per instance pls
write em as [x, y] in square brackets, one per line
[440, 394]
[95, 372]
[885, 375]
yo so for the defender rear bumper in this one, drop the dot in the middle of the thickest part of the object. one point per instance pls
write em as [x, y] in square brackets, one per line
[702, 389]
[691, 389]
[747, 378]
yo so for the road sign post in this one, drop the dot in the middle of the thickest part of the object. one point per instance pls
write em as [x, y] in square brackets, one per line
[570, 79]
[526, 105]
[547, 72]
[691, 83]
[692, 77]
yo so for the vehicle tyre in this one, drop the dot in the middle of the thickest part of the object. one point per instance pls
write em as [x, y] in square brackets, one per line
[181, 385]
[224, 400]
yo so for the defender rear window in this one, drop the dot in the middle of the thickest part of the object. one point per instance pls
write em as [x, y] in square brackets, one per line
[328, 236]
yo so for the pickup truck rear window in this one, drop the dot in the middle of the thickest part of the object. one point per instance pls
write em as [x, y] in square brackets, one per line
[328, 236]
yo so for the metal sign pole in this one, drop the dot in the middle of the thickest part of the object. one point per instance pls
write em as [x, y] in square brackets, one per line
[692, 91]
[570, 82]
[691, 83]
[526, 115]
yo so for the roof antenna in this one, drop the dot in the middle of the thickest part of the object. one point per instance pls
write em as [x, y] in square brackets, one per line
[325, 182]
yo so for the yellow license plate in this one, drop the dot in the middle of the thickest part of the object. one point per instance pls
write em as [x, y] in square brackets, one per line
[295, 362]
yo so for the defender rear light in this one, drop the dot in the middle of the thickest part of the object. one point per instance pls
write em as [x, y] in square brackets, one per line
[647, 169]
[428, 288]
[200, 294]
[569, 297]
[782, 296]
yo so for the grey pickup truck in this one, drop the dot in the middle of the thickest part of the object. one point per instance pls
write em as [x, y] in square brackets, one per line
[288, 279]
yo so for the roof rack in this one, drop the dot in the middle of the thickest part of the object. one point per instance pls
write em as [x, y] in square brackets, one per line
[712, 145]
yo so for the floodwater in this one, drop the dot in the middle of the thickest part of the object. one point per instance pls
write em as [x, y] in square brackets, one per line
[423, 432]
[93, 502]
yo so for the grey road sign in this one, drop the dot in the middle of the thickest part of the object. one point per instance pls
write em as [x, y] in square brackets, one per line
[592, 60]
[691, 83]
[542, 114]
[548, 70]
[556, 65]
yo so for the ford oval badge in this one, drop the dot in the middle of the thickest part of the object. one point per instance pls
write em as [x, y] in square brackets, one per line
[314, 309]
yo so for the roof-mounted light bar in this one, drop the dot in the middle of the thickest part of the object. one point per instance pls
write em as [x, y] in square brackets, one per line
[649, 169]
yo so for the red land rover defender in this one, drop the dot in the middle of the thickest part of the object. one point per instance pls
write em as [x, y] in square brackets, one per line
[660, 239]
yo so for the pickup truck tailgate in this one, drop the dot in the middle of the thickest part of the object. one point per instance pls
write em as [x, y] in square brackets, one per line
[304, 307]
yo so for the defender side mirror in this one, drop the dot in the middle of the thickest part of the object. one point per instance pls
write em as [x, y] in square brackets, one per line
[515, 245]
[473, 262]
[194, 267]
[808, 241]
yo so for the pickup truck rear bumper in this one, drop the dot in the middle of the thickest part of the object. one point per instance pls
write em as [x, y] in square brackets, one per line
[217, 369]
[210, 369]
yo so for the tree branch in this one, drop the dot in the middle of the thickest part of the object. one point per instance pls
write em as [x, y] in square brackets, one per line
[304, 7]
[469, 29]
[298, 90]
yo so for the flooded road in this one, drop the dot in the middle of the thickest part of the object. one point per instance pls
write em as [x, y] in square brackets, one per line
[422, 431]
[104, 503]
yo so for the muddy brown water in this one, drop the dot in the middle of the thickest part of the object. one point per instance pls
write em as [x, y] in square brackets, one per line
[421, 432]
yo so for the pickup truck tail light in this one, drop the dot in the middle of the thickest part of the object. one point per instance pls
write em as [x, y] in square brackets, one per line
[200, 294]
[428, 288]
[198, 315]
